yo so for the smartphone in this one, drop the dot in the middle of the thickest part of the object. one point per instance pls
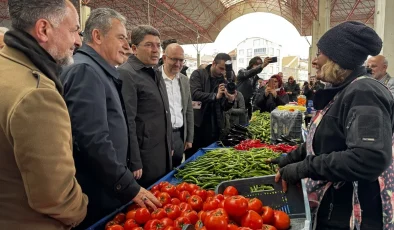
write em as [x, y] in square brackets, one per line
[274, 59]
[271, 83]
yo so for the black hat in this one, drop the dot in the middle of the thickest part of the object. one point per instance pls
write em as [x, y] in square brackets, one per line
[349, 44]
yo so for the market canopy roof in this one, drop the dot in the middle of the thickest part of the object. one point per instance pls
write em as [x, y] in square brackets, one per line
[187, 20]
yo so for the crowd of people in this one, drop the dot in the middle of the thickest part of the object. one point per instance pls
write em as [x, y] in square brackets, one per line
[90, 120]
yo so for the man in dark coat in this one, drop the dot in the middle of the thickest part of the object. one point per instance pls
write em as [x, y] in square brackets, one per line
[292, 89]
[100, 138]
[210, 99]
[247, 79]
[147, 108]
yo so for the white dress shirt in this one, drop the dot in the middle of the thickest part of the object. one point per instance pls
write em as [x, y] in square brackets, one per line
[175, 100]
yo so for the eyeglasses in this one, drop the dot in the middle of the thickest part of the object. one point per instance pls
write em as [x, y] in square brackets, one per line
[183, 61]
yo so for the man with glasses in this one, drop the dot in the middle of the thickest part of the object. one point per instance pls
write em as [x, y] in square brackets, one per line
[147, 108]
[178, 90]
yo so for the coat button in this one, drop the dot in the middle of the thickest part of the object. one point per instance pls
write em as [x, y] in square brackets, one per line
[166, 111]
[118, 187]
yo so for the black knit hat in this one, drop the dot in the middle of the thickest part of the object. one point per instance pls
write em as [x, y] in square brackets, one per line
[349, 44]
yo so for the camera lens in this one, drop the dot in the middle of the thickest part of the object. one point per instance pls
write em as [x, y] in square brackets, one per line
[231, 87]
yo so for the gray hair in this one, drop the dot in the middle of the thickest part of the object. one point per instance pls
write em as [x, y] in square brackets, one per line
[101, 19]
[138, 33]
[25, 13]
[3, 30]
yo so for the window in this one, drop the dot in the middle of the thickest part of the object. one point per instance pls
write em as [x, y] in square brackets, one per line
[249, 54]
[241, 60]
[259, 51]
[256, 42]
[241, 52]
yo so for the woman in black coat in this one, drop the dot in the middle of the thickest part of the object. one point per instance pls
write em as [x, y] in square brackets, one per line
[274, 95]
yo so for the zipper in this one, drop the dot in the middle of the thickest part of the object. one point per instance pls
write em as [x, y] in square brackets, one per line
[351, 121]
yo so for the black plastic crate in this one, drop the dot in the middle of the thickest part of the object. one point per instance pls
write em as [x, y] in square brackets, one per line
[294, 202]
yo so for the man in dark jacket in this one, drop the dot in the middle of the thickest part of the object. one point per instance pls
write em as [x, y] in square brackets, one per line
[210, 99]
[92, 94]
[292, 89]
[247, 79]
[147, 108]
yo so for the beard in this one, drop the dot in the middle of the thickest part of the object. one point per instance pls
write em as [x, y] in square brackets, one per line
[61, 58]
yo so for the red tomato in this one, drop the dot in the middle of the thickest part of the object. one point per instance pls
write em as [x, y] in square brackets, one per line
[196, 203]
[115, 227]
[210, 193]
[210, 205]
[191, 215]
[236, 206]
[181, 221]
[163, 183]
[131, 214]
[219, 197]
[268, 227]
[175, 201]
[130, 224]
[156, 193]
[216, 222]
[182, 186]
[170, 189]
[173, 211]
[185, 206]
[232, 227]
[204, 215]
[255, 205]
[110, 223]
[221, 204]
[158, 214]
[184, 196]
[133, 206]
[120, 218]
[155, 188]
[137, 228]
[164, 198]
[170, 228]
[252, 220]
[201, 193]
[191, 188]
[244, 228]
[142, 215]
[198, 224]
[167, 222]
[166, 206]
[153, 225]
[281, 220]
[267, 214]
[230, 191]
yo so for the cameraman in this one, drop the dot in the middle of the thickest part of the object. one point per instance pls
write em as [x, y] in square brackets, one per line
[210, 99]
[247, 79]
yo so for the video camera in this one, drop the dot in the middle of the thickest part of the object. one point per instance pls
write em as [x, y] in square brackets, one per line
[230, 85]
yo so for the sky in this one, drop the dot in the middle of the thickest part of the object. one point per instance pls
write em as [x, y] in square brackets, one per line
[265, 25]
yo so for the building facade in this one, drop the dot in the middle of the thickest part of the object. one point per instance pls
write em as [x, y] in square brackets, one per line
[256, 46]
[296, 67]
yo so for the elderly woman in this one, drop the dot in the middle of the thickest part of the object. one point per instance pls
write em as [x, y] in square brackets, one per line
[273, 96]
[347, 158]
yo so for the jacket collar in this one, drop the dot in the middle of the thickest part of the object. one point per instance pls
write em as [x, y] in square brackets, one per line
[18, 57]
[89, 51]
[324, 96]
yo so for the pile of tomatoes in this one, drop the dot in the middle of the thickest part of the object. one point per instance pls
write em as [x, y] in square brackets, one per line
[187, 204]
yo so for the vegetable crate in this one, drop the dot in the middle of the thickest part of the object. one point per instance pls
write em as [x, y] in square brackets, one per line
[294, 202]
[100, 225]
[286, 123]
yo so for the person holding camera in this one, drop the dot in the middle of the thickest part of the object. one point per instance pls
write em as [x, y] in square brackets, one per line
[211, 98]
[247, 79]
[274, 95]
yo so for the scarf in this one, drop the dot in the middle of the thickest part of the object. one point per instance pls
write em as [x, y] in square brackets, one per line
[26, 44]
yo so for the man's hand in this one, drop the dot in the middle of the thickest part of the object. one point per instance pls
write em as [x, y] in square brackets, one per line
[188, 145]
[137, 174]
[145, 198]
[230, 97]
[221, 90]
[266, 62]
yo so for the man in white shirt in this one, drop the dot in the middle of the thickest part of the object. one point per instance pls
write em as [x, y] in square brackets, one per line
[178, 91]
